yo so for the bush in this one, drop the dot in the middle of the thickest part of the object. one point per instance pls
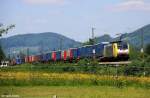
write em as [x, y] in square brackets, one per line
[148, 59]
[69, 69]
[147, 49]
[139, 67]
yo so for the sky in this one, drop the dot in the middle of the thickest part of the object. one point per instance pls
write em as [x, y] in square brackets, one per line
[74, 18]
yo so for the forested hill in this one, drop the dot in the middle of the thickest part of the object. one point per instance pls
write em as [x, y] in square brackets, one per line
[36, 43]
[134, 37]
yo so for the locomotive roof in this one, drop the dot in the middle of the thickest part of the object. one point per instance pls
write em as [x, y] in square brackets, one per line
[116, 41]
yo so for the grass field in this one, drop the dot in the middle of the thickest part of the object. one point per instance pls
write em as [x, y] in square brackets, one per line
[74, 92]
[69, 79]
[30, 81]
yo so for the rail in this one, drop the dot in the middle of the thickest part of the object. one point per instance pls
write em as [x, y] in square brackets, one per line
[115, 63]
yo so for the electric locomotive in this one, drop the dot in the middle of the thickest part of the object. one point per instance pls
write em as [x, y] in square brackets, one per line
[116, 50]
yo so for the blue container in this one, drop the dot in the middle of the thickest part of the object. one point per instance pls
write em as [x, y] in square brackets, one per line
[80, 52]
[43, 57]
[99, 49]
[74, 53]
[18, 61]
[58, 55]
[48, 56]
[89, 51]
[86, 51]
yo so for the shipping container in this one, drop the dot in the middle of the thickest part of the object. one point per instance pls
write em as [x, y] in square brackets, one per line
[58, 55]
[26, 59]
[99, 49]
[72, 53]
[34, 58]
[64, 55]
[30, 59]
[79, 52]
[89, 51]
[19, 60]
[49, 56]
[46, 57]
[54, 55]
[85, 51]
[43, 57]
[69, 54]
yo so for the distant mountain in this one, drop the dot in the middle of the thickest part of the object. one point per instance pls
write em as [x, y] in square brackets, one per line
[37, 43]
[134, 38]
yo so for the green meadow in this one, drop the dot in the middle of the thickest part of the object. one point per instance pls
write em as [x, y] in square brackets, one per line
[74, 92]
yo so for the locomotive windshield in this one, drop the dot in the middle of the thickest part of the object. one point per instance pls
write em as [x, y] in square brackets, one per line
[122, 45]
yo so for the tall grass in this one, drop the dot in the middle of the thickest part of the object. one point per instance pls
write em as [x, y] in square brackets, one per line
[61, 79]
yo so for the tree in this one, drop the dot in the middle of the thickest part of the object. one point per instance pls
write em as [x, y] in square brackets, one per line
[147, 49]
[90, 41]
[2, 31]
[2, 55]
[5, 30]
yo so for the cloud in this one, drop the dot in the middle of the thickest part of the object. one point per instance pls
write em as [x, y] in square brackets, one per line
[128, 5]
[45, 2]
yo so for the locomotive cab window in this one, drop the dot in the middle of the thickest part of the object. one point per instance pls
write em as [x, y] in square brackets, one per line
[122, 45]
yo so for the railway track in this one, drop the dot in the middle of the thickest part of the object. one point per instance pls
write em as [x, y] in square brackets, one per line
[115, 63]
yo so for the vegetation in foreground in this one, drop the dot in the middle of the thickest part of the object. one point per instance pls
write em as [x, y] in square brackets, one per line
[84, 72]
[74, 92]
[136, 68]
[70, 79]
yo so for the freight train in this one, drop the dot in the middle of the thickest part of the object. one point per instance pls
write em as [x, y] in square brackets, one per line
[110, 51]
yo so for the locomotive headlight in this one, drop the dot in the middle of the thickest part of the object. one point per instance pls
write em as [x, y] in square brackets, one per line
[126, 51]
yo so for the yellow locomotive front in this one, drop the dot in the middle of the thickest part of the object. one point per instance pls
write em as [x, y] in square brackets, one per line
[123, 50]
[116, 51]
